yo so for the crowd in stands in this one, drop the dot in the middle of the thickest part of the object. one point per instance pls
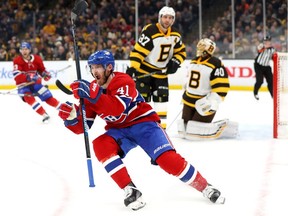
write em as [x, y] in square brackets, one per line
[111, 25]
[249, 28]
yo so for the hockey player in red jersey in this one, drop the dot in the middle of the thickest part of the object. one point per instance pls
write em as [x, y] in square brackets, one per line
[130, 122]
[28, 73]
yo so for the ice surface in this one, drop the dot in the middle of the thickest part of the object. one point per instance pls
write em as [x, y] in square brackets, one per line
[44, 171]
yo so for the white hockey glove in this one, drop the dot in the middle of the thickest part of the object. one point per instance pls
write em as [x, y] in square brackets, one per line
[208, 104]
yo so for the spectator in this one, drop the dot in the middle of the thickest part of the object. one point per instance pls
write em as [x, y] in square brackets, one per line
[49, 28]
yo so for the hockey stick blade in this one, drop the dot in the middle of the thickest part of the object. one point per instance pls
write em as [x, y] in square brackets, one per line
[60, 85]
[79, 7]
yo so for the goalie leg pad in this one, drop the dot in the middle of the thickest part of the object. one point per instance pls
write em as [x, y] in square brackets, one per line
[219, 129]
[231, 130]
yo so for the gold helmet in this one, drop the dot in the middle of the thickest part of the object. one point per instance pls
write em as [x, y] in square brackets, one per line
[205, 46]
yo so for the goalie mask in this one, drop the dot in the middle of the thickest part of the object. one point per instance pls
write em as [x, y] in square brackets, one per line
[166, 11]
[205, 46]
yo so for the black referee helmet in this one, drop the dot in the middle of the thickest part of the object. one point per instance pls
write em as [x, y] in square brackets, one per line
[267, 38]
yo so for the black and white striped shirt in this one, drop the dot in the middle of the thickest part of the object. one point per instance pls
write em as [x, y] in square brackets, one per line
[264, 56]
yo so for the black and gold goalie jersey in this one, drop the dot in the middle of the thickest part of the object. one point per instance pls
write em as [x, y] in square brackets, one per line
[154, 49]
[205, 76]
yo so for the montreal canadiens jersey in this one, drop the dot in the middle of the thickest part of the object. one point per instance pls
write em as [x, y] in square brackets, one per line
[154, 49]
[205, 76]
[23, 68]
[120, 105]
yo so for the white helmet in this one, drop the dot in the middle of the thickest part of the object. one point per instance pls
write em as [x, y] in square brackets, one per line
[166, 11]
[205, 46]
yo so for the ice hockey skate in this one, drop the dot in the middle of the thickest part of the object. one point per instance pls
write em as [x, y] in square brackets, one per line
[46, 118]
[133, 197]
[256, 96]
[213, 194]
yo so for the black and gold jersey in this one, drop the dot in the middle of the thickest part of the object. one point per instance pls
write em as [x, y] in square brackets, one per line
[205, 76]
[154, 49]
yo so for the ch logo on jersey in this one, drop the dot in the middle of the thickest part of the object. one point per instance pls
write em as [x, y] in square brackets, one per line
[110, 118]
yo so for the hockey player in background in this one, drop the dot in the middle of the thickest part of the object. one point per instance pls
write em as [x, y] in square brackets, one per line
[158, 52]
[262, 66]
[130, 122]
[28, 71]
[206, 87]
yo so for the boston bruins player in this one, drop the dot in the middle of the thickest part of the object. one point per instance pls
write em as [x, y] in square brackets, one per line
[207, 86]
[158, 52]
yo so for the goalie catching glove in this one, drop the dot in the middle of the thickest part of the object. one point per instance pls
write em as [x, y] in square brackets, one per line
[172, 66]
[208, 104]
[86, 90]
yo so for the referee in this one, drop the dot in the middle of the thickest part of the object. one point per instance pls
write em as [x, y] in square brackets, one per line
[262, 66]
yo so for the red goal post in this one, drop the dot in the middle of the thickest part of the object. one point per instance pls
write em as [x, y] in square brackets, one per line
[280, 95]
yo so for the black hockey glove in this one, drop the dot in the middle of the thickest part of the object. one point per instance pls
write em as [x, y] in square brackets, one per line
[131, 72]
[172, 66]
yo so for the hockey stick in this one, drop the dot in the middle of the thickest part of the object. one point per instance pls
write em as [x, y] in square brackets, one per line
[18, 94]
[174, 120]
[150, 74]
[63, 88]
[63, 69]
[18, 87]
[79, 7]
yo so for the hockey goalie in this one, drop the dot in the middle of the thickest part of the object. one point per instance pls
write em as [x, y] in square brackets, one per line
[206, 87]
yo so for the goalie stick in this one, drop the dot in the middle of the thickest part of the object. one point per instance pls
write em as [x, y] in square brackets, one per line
[79, 7]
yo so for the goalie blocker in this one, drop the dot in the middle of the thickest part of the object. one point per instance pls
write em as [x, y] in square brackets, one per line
[198, 130]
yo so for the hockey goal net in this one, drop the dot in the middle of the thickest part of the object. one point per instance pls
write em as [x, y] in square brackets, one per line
[280, 95]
